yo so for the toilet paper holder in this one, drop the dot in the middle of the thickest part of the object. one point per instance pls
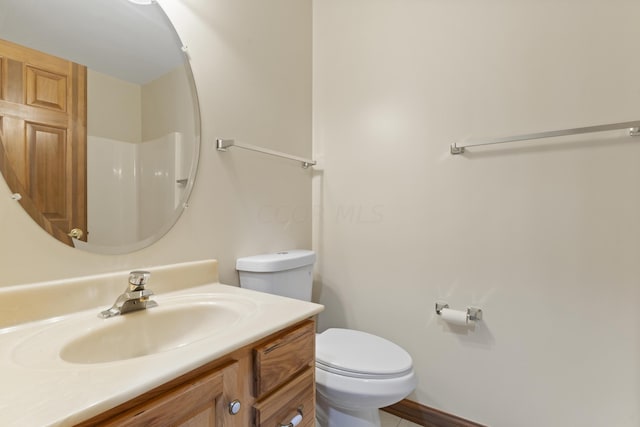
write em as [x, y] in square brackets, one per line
[473, 313]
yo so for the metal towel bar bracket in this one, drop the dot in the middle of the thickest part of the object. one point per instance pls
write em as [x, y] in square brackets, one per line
[224, 144]
[634, 130]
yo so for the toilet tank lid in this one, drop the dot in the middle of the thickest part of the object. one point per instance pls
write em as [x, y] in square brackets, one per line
[279, 261]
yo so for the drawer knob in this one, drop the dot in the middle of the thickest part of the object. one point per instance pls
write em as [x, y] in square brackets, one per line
[295, 420]
[234, 407]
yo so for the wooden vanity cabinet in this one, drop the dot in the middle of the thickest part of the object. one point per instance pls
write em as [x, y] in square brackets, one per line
[273, 379]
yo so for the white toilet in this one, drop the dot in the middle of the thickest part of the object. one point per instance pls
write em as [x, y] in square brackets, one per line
[356, 373]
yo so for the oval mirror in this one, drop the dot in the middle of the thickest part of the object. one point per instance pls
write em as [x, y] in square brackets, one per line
[99, 119]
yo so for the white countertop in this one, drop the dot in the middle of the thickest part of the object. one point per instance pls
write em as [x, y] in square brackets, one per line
[40, 389]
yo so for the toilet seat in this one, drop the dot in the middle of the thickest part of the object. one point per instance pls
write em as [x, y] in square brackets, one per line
[358, 354]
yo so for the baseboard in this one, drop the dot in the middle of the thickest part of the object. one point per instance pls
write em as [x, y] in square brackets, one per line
[426, 416]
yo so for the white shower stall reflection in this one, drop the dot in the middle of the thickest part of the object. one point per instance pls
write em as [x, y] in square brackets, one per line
[133, 188]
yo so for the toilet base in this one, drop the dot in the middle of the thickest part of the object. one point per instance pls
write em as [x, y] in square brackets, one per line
[331, 416]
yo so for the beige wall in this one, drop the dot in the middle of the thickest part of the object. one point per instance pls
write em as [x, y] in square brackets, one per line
[118, 113]
[254, 83]
[545, 237]
[166, 106]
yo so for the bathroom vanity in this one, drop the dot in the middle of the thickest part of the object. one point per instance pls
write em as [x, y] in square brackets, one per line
[208, 355]
[268, 383]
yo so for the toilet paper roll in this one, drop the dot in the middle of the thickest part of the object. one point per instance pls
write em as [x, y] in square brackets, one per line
[455, 317]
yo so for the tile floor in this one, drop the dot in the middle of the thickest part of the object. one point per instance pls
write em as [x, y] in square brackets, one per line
[388, 420]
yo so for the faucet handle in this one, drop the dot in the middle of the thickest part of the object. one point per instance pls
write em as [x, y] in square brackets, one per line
[138, 280]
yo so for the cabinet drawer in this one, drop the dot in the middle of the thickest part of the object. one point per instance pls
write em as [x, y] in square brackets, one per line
[297, 397]
[279, 360]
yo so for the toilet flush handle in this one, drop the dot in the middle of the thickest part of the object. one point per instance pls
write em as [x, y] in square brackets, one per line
[295, 420]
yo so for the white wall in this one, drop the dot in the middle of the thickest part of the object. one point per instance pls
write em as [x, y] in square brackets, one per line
[544, 237]
[254, 84]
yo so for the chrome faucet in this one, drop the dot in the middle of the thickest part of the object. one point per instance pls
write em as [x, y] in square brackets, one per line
[135, 297]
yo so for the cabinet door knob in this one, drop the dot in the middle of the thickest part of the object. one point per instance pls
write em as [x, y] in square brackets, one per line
[295, 420]
[234, 407]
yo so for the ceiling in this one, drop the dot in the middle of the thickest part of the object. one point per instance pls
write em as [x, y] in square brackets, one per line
[136, 43]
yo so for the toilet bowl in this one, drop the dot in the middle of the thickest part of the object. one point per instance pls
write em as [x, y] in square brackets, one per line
[356, 372]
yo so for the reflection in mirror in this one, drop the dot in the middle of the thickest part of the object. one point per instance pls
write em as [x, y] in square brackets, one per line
[99, 124]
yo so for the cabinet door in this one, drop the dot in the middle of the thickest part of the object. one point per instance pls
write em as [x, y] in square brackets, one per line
[201, 402]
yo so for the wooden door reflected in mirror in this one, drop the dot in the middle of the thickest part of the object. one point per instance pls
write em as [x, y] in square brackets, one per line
[43, 118]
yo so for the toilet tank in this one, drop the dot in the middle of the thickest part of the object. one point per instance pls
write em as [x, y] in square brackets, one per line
[286, 273]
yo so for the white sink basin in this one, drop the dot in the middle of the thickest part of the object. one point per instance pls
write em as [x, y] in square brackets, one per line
[149, 331]
[177, 322]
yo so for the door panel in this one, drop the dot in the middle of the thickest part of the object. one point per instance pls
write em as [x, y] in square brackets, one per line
[46, 154]
[46, 89]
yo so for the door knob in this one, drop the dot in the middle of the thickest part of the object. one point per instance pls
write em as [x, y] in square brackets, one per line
[76, 233]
